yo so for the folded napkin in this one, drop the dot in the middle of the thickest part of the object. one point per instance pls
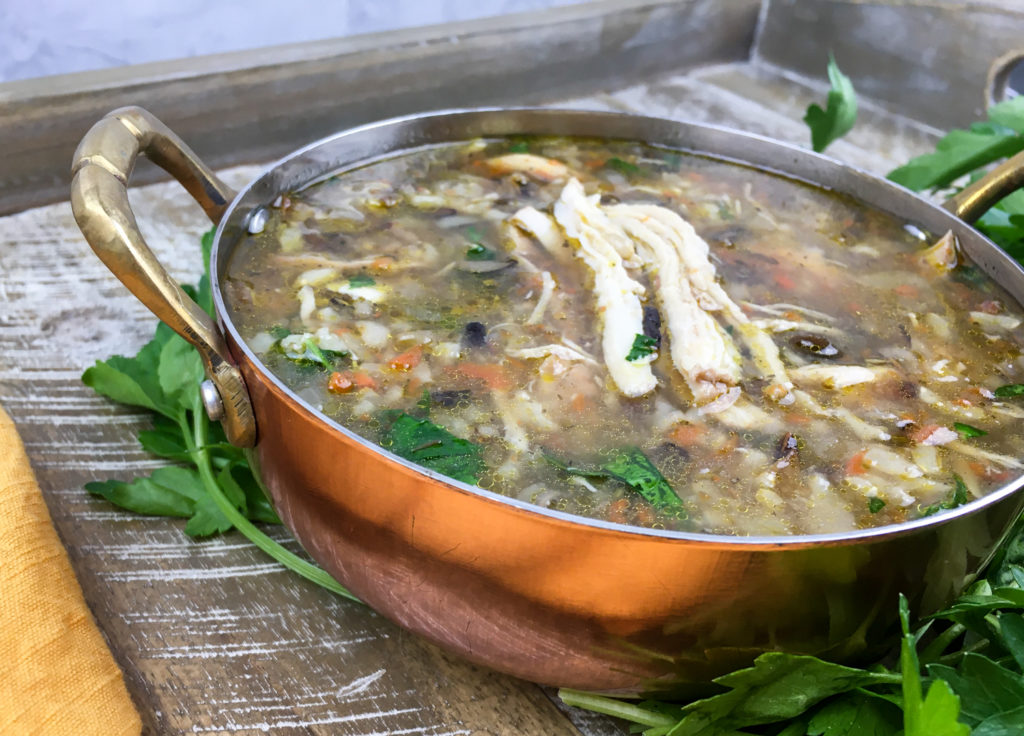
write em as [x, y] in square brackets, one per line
[56, 674]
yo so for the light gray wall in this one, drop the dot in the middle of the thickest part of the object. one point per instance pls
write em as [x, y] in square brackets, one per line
[42, 37]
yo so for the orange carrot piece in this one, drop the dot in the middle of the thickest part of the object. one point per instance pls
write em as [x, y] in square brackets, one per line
[785, 281]
[340, 383]
[408, 360]
[686, 435]
[908, 291]
[492, 374]
[362, 379]
[855, 465]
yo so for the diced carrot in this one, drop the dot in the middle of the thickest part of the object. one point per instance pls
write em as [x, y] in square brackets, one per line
[784, 280]
[617, 510]
[798, 418]
[413, 387]
[362, 379]
[855, 465]
[383, 263]
[340, 383]
[686, 435]
[408, 360]
[907, 291]
[580, 402]
[492, 374]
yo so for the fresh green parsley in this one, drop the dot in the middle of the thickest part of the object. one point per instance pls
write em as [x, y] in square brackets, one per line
[1009, 391]
[478, 252]
[211, 483]
[519, 147]
[643, 346]
[957, 498]
[313, 355]
[875, 504]
[361, 279]
[622, 166]
[840, 112]
[967, 431]
[431, 446]
[632, 467]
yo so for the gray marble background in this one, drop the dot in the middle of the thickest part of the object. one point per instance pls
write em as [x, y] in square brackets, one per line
[42, 37]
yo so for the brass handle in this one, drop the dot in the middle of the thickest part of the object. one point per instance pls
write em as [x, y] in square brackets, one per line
[975, 200]
[101, 168]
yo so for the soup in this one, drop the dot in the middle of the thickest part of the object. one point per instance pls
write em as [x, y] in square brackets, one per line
[639, 335]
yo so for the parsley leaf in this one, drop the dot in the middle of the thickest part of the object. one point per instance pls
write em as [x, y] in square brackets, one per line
[431, 446]
[840, 112]
[855, 714]
[1009, 391]
[643, 345]
[959, 497]
[875, 504]
[967, 431]
[478, 252]
[632, 467]
[519, 147]
[936, 713]
[361, 279]
[163, 378]
[622, 166]
[958, 153]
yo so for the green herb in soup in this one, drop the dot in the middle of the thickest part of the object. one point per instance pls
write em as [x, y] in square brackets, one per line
[639, 335]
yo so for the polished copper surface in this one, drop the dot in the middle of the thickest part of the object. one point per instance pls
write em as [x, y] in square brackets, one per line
[539, 594]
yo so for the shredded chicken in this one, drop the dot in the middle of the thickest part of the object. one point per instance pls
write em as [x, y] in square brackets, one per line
[545, 169]
[836, 376]
[598, 244]
[547, 291]
[701, 349]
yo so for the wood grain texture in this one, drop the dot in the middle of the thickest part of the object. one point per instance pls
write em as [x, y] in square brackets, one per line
[929, 59]
[213, 637]
[256, 105]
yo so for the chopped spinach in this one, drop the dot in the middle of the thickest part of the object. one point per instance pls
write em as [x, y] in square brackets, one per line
[431, 446]
[643, 345]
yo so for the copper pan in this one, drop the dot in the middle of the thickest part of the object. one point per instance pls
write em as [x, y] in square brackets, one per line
[534, 592]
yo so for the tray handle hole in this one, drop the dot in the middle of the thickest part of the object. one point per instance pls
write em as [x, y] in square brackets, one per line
[1006, 77]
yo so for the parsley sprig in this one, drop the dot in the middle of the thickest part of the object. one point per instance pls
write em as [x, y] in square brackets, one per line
[211, 484]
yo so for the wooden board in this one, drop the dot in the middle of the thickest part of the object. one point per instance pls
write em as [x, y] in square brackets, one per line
[214, 638]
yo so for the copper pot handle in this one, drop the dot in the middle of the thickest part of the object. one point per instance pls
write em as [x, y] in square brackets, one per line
[973, 201]
[101, 169]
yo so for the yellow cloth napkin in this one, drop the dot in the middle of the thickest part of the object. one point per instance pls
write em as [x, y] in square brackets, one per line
[56, 674]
